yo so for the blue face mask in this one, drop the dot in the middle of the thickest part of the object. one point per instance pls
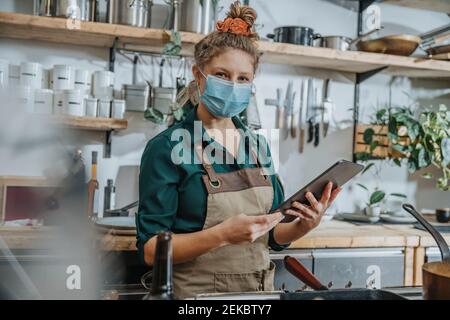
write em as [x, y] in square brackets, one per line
[223, 98]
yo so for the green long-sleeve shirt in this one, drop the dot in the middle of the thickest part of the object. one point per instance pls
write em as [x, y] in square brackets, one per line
[172, 196]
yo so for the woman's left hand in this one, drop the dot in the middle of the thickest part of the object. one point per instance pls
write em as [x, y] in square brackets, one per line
[310, 215]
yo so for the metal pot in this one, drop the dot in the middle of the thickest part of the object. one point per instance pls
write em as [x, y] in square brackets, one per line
[304, 36]
[436, 275]
[340, 42]
[136, 13]
[79, 9]
[198, 16]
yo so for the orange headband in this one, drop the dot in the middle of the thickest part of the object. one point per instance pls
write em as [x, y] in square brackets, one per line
[234, 25]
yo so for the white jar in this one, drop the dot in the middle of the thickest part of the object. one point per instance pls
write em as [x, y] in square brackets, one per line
[104, 108]
[31, 74]
[83, 81]
[104, 85]
[91, 107]
[4, 73]
[25, 98]
[45, 79]
[118, 109]
[14, 76]
[73, 103]
[63, 77]
[43, 101]
[58, 102]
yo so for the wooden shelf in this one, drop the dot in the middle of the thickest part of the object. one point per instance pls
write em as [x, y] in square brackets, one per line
[432, 5]
[28, 27]
[87, 123]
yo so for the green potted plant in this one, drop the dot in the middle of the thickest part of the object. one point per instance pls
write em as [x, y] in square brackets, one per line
[374, 200]
[428, 140]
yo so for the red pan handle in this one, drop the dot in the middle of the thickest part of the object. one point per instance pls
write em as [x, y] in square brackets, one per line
[300, 272]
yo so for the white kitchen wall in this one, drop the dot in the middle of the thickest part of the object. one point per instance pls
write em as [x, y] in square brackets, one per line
[295, 169]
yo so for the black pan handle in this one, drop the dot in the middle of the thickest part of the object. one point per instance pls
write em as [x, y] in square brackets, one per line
[443, 246]
[270, 36]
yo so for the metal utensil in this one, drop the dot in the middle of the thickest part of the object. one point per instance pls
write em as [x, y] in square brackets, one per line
[278, 103]
[402, 45]
[310, 114]
[288, 109]
[317, 122]
[327, 107]
[302, 113]
[436, 275]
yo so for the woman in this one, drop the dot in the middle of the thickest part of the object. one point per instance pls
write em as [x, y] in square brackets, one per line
[219, 212]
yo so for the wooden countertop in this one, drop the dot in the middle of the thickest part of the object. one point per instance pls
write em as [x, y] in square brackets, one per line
[330, 234]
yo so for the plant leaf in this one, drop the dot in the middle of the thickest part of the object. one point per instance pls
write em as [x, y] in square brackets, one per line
[368, 135]
[398, 195]
[377, 197]
[397, 162]
[370, 165]
[362, 186]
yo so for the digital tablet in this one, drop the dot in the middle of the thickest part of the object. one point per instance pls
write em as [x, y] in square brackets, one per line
[339, 173]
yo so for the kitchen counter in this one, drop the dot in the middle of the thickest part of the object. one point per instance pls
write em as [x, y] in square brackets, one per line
[330, 234]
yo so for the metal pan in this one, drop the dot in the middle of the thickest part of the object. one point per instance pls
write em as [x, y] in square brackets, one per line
[436, 275]
[401, 45]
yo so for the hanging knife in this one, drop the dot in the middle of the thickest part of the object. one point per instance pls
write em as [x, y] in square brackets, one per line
[310, 110]
[327, 107]
[288, 106]
[302, 113]
[316, 129]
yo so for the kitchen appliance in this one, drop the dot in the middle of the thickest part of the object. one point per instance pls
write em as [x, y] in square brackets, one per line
[402, 45]
[4, 73]
[43, 101]
[31, 74]
[118, 109]
[304, 36]
[13, 75]
[73, 103]
[436, 275]
[136, 96]
[104, 85]
[104, 108]
[136, 13]
[83, 81]
[63, 77]
[198, 16]
[91, 107]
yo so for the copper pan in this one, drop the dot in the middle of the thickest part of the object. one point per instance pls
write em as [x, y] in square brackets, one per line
[436, 275]
[402, 45]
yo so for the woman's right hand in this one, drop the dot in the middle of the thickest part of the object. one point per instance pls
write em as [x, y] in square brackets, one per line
[246, 229]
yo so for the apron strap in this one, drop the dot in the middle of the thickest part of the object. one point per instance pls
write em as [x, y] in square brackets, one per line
[213, 178]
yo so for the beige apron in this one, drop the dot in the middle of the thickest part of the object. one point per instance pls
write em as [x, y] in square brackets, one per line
[232, 268]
